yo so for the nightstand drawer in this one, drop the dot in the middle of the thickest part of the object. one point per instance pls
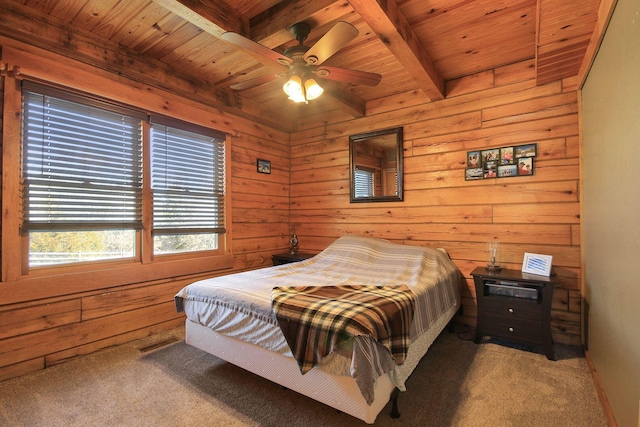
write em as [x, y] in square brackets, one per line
[520, 330]
[513, 308]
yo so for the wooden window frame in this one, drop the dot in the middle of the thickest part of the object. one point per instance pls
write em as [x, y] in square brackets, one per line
[23, 284]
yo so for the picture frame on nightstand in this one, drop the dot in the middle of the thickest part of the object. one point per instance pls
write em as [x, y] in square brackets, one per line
[537, 264]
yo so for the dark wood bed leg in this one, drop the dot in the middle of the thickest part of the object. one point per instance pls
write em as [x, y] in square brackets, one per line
[395, 413]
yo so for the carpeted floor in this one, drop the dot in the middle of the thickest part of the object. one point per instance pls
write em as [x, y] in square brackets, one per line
[161, 381]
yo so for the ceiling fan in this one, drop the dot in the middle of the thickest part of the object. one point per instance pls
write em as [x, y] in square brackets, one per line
[302, 64]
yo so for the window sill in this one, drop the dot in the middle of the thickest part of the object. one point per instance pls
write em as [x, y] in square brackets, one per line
[65, 281]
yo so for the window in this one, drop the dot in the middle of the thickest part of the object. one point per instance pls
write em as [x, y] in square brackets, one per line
[82, 178]
[364, 183]
[187, 181]
[83, 182]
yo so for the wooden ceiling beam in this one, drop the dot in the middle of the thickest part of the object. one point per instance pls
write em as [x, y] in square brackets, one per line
[347, 101]
[272, 27]
[392, 27]
[212, 17]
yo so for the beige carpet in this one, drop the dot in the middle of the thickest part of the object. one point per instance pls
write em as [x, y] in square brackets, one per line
[146, 383]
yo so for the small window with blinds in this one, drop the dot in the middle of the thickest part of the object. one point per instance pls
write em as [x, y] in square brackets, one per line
[188, 186]
[364, 183]
[82, 177]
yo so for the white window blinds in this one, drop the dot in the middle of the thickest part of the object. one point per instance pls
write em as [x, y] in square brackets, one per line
[187, 178]
[364, 183]
[82, 162]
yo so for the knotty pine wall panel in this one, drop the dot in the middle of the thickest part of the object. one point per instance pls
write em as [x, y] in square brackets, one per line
[496, 108]
[30, 319]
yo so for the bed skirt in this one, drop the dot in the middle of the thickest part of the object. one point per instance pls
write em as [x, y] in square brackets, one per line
[339, 392]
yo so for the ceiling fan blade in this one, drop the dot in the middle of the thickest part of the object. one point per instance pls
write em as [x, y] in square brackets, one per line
[266, 56]
[251, 83]
[349, 76]
[338, 36]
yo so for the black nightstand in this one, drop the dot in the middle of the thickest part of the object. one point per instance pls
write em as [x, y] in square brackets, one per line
[515, 306]
[288, 258]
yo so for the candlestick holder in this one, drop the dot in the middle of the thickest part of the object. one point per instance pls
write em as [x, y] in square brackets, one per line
[293, 241]
[493, 260]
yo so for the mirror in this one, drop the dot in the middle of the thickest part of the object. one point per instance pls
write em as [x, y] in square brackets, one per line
[375, 165]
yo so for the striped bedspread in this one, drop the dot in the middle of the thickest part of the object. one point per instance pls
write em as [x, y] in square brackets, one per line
[240, 305]
[315, 320]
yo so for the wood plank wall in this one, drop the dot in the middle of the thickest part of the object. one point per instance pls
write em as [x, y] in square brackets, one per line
[44, 332]
[497, 108]
[309, 187]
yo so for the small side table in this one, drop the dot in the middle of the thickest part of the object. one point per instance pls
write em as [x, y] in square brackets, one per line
[287, 258]
[515, 306]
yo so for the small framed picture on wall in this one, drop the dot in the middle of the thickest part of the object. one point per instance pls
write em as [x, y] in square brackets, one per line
[474, 159]
[507, 171]
[264, 166]
[473, 173]
[506, 156]
[490, 155]
[525, 166]
[490, 169]
[529, 150]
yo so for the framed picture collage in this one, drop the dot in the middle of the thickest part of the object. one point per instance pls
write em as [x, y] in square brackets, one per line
[516, 160]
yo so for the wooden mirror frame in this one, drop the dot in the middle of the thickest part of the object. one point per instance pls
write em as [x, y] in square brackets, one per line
[388, 137]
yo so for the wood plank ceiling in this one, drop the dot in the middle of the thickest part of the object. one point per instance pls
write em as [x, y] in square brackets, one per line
[415, 45]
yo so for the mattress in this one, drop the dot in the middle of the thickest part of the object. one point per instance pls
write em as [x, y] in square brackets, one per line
[239, 305]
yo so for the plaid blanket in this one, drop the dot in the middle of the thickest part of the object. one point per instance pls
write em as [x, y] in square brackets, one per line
[315, 320]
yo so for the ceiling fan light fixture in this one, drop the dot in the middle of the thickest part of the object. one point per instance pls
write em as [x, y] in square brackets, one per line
[312, 89]
[294, 89]
[298, 98]
[302, 92]
[303, 63]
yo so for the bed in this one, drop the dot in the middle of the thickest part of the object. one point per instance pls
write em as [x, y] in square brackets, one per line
[234, 318]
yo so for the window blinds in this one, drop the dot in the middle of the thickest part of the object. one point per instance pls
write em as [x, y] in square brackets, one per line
[363, 183]
[82, 162]
[187, 178]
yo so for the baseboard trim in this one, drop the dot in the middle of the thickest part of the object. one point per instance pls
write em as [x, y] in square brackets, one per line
[608, 413]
